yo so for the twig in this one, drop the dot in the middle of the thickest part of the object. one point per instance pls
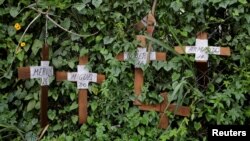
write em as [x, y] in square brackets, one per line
[55, 23]
[153, 7]
[17, 47]
[43, 132]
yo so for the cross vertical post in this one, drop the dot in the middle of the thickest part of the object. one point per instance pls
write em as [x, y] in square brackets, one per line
[202, 51]
[44, 72]
[82, 77]
[141, 58]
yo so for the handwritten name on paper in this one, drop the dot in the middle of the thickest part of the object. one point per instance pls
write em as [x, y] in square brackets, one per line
[201, 53]
[75, 76]
[140, 57]
[41, 71]
[82, 77]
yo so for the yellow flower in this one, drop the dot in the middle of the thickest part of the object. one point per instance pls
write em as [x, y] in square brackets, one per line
[22, 44]
[17, 26]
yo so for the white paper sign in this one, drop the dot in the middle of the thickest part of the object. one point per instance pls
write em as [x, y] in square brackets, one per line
[141, 56]
[44, 71]
[214, 50]
[82, 84]
[201, 54]
[201, 50]
[72, 76]
[144, 21]
[41, 71]
[45, 80]
[82, 77]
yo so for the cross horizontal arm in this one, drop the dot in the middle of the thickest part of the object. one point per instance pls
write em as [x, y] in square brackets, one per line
[224, 51]
[60, 76]
[181, 111]
[24, 73]
[160, 56]
[146, 107]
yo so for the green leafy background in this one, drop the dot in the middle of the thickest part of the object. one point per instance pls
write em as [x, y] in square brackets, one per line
[111, 113]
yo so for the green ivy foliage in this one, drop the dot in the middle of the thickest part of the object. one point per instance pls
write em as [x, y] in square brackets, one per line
[108, 29]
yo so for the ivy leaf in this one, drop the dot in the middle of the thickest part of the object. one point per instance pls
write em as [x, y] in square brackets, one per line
[96, 3]
[66, 23]
[20, 55]
[31, 105]
[11, 31]
[1, 2]
[14, 11]
[247, 18]
[71, 64]
[93, 105]
[79, 6]
[197, 126]
[141, 131]
[37, 44]
[73, 106]
[72, 96]
[242, 1]
[51, 114]
[83, 51]
[248, 47]
[74, 119]
[108, 40]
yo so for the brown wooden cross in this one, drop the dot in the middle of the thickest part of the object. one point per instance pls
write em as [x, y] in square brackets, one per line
[82, 77]
[162, 107]
[142, 56]
[201, 51]
[44, 71]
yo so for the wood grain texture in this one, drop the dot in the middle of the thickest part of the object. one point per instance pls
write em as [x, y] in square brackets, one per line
[146, 107]
[179, 110]
[24, 73]
[120, 57]
[83, 60]
[83, 106]
[150, 24]
[225, 51]
[61, 75]
[202, 35]
[83, 97]
[138, 83]
[139, 26]
[161, 56]
[44, 106]
[142, 40]
[44, 91]
[163, 124]
[45, 52]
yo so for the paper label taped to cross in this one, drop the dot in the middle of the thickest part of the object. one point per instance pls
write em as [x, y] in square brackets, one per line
[201, 50]
[82, 77]
[141, 56]
[44, 71]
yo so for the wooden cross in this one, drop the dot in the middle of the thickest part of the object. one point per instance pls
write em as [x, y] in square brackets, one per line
[44, 72]
[141, 58]
[162, 107]
[148, 20]
[82, 77]
[202, 51]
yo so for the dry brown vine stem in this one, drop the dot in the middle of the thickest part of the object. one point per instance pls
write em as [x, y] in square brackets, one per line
[50, 19]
